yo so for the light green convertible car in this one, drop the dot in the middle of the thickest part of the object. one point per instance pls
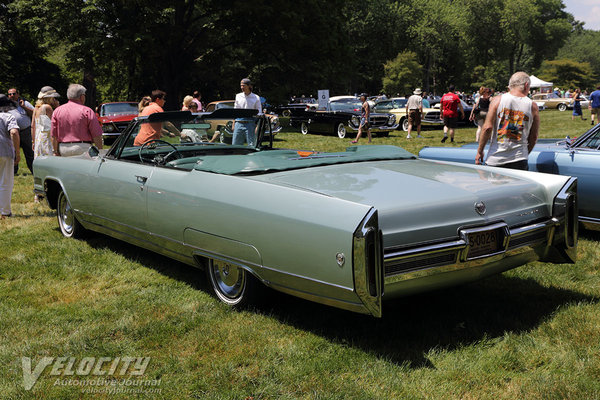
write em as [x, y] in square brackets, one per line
[347, 229]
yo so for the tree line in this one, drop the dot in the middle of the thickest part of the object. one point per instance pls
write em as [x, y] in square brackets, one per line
[123, 49]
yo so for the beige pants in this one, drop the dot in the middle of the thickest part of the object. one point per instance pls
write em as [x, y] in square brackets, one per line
[6, 184]
[73, 149]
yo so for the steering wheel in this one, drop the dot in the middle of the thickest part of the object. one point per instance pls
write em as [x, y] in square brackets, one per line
[158, 159]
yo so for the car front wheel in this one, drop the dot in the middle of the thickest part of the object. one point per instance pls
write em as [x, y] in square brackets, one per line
[562, 107]
[69, 226]
[340, 129]
[304, 128]
[232, 284]
[404, 124]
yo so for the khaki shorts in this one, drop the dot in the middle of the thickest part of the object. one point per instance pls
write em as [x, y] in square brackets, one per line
[414, 117]
[596, 111]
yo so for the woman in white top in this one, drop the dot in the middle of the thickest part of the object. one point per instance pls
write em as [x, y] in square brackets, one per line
[41, 122]
[42, 115]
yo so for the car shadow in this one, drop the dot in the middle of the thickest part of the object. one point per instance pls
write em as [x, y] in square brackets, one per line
[412, 326]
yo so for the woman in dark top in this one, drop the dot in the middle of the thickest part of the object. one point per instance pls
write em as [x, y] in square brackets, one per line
[479, 112]
[577, 105]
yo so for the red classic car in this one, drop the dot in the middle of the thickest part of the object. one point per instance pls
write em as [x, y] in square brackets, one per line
[114, 118]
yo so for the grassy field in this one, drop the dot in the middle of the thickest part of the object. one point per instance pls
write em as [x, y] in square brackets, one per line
[530, 333]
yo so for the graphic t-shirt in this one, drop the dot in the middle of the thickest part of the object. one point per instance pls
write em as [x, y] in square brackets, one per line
[510, 135]
[449, 105]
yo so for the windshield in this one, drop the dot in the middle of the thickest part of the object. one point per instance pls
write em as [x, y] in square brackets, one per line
[114, 109]
[345, 105]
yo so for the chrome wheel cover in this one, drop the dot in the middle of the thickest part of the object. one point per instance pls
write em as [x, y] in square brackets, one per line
[228, 280]
[66, 218]
[304, 128]
[341, 130]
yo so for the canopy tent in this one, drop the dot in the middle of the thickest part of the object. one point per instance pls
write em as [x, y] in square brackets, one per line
[544, 86]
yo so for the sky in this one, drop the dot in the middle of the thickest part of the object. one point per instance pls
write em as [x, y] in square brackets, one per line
[587, 11]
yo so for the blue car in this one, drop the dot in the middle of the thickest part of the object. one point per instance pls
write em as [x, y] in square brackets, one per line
[579, 157]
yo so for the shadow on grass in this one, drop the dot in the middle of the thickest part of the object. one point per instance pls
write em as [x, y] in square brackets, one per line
[445, 319]
[410, 327]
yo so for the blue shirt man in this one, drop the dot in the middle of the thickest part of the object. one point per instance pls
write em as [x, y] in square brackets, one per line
[595, 103]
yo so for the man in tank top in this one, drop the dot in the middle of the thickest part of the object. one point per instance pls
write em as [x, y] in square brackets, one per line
[512, 123]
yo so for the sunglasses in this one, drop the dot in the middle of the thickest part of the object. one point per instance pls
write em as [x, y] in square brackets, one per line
[12, 94]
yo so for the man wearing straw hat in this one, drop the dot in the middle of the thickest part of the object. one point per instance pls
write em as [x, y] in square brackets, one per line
[414, 110]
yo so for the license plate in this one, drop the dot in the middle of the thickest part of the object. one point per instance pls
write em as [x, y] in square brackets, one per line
[482, 243]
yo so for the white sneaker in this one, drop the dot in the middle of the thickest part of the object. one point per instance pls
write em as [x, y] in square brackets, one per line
[419, 136]
[408, 136]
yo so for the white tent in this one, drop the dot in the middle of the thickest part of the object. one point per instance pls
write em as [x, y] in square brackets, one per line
[542, 85]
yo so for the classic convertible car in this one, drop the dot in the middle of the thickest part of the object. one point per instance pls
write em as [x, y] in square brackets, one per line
[579, 157]
[342, 115]
[347, 229]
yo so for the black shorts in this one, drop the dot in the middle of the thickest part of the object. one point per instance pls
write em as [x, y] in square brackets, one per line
[450, 122]
[521, 164]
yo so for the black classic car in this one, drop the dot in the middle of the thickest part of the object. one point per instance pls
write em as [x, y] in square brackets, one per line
[341, 116]
[296, 103]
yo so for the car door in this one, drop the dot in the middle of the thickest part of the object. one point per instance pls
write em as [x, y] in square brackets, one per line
[120, 200]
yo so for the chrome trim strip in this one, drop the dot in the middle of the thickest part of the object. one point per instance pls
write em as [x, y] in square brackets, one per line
[349, 289]
[590, 223]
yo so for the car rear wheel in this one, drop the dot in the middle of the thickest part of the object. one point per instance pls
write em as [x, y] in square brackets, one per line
[562, 107]
[304, 128]
[340, 129]
[232, 284]
[69, 226]
[404, 123]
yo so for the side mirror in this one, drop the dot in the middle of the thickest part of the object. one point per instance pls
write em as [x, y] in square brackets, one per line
[93, 151]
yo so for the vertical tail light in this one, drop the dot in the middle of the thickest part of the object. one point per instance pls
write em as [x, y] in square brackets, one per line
[367, 260]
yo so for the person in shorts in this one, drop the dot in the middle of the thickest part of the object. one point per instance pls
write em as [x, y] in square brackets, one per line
[449, 106]
[365, 111]
[414, 110]
[595, 104]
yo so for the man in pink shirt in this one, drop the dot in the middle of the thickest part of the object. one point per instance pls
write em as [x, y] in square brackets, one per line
[74, 126]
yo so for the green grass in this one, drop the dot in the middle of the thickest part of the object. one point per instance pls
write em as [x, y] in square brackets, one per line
[530, 333]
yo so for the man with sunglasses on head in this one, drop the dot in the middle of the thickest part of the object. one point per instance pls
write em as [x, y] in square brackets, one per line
[23, 114]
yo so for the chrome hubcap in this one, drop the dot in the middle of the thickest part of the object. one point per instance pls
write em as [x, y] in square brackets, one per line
[228, 278]
[66, 215]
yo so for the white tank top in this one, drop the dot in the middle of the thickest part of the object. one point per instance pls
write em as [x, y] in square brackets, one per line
[511, 132]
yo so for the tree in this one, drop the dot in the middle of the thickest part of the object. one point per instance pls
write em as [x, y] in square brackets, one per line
[402, 74]
[582, 46]
[567, 73]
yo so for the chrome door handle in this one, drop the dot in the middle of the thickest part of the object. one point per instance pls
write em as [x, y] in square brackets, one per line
[141, 179]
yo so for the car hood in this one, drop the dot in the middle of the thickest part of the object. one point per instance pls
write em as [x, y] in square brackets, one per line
[421, 200]
[116, 118]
